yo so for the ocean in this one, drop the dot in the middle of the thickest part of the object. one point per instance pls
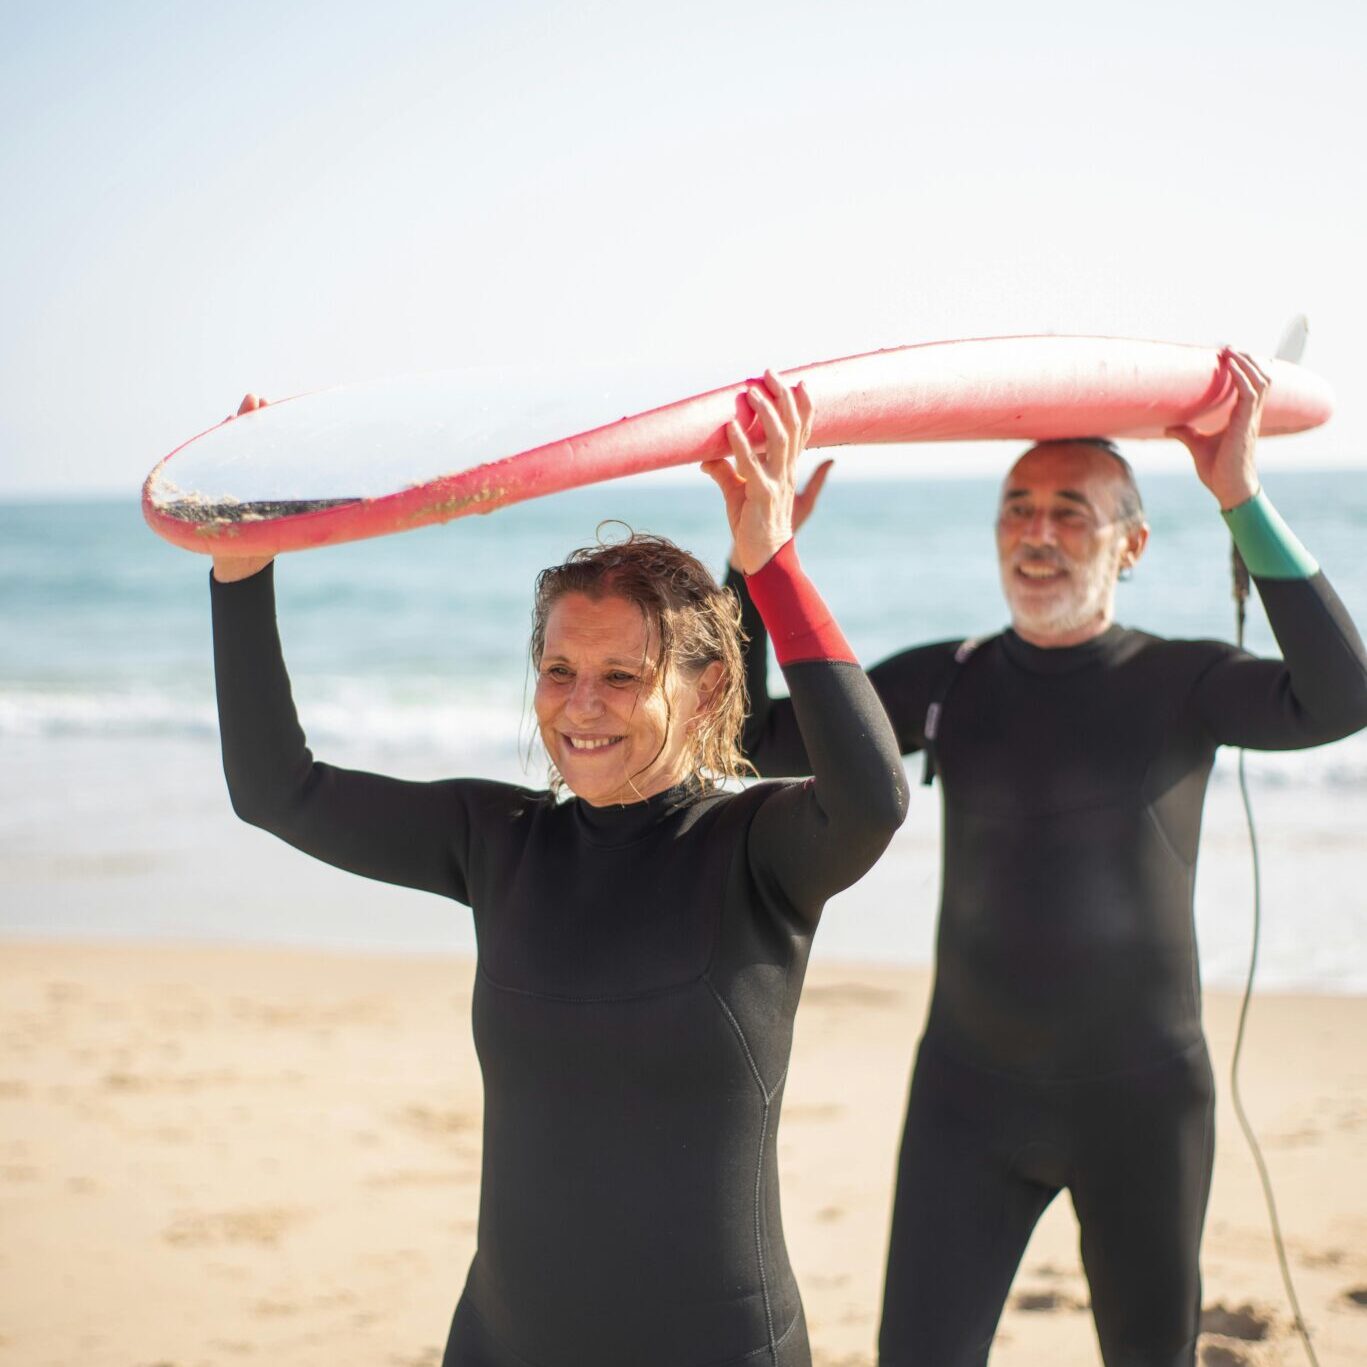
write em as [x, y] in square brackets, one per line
[408, 655]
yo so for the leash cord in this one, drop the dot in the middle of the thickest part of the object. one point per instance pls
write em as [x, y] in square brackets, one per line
[1241, 600]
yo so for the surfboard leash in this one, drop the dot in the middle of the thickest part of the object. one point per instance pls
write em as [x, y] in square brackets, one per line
[1241, 590]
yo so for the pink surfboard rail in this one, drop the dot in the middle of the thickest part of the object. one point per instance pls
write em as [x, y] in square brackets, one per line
[1020, 389]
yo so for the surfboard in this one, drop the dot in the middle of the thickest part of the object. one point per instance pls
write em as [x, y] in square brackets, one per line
[345, 464]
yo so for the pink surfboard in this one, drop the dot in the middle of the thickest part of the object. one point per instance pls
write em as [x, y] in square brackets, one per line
[345, 464]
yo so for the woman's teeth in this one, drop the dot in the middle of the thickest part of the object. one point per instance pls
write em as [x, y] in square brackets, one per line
[591, 742]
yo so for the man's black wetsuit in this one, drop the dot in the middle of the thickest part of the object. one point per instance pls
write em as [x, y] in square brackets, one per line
[639, 967]
[1063, 1046]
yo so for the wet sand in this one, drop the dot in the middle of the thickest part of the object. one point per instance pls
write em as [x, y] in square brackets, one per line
[230, 1155]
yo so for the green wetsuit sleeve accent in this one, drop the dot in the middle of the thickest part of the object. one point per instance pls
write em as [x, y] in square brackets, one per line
[1269, 547]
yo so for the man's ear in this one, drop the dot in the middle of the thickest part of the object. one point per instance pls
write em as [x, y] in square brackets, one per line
[1136, 539]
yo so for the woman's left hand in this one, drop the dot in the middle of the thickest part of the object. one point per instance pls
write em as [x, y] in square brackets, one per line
[761, 486]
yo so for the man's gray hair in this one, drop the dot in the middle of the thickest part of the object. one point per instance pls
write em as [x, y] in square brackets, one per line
[1129, 505]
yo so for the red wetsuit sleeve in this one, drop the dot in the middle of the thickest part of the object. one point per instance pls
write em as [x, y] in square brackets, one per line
[799, 622]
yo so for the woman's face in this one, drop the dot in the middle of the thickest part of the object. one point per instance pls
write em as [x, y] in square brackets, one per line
[614, 734]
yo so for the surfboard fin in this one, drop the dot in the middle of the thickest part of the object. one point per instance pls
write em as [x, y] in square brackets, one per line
[1294, 334]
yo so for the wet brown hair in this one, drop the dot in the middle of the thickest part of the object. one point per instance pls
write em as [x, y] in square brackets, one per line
[691, 619]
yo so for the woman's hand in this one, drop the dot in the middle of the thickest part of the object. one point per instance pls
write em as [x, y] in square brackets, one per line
[1225, 460]
[228, 569]
[761, 487]
[804, 502]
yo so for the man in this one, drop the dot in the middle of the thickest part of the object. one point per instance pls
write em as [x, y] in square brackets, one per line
[1063, 1046]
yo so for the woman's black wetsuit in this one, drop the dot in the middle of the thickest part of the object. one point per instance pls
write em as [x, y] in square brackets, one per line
[1063, 1046]
[639, 967]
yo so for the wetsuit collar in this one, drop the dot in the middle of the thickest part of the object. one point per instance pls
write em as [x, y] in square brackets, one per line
[1064, 659]
[621, 824]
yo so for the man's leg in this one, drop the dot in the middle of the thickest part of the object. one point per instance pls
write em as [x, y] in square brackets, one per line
[1146, 1146]
[962, 1216]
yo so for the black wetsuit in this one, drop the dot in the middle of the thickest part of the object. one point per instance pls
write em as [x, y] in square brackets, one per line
[1063, 1046]
[639, 967]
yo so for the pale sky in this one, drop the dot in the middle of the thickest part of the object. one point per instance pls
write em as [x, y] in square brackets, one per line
[289, 196]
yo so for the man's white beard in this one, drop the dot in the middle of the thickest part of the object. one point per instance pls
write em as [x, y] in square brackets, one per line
[1089, 596]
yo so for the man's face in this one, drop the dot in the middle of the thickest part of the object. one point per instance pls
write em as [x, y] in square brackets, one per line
[1060, 546]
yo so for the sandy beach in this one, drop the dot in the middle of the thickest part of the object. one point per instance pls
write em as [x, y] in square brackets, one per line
[224, 1155]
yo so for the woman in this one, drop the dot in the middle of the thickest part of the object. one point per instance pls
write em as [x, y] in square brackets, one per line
[641, 944]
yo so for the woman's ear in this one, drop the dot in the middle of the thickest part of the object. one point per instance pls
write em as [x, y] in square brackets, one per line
[709, 684]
